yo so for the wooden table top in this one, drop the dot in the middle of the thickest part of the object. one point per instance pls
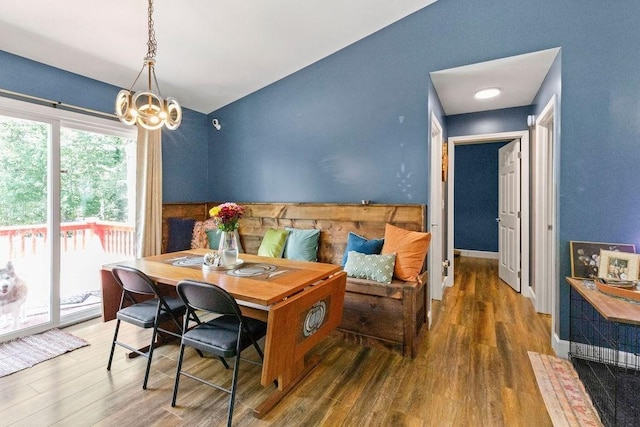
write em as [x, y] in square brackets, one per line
[611, 308]
[261, 289]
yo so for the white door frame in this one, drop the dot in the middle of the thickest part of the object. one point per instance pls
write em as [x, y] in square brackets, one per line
[545, 218]
[524, 196]
[436, 203]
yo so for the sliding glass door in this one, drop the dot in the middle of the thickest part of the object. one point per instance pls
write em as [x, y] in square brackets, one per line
[67, 196]
[96, 213]
[25, 253]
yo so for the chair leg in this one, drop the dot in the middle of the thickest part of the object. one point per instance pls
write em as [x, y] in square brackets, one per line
[224, 362]
[113, 345]
[175, 385]
[234, 384]
[149, 356]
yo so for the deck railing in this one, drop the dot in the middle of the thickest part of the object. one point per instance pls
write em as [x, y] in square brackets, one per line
[115, 237]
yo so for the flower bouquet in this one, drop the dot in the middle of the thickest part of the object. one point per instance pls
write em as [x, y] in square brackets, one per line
[226, 216]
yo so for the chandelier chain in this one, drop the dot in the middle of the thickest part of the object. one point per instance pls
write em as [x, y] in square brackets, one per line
[151, 44]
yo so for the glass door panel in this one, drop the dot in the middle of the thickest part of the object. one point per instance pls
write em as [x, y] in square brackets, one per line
[25, 255]
[96, 215]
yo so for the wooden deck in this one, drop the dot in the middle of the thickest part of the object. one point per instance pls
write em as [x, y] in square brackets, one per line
[472, 370]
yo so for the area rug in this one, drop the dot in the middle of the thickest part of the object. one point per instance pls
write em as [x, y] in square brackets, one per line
[25, 352]
[564, 395]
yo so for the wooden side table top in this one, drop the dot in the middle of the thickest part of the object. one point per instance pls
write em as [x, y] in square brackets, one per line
[611, 308]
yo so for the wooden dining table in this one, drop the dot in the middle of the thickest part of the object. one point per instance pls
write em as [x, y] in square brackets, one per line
[301, 302]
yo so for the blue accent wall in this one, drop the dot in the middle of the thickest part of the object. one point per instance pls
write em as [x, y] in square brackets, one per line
[330, 132]
[476, 175]
[504, 120]
[476, 197]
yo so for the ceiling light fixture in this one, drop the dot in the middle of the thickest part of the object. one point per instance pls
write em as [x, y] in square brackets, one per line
[487, 93]
[146, 108]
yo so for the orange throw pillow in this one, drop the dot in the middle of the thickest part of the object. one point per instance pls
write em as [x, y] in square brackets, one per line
[410, 248]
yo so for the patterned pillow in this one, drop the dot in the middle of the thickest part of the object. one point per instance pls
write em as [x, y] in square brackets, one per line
[372, 267]
[200, 239]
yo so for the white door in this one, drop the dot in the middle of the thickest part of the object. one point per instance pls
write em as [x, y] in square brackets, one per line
[509, 213]
[436, 201]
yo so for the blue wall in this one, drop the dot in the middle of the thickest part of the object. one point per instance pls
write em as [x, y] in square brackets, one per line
[476, 175]
[476, 197]
[504, 120]
[185, 151]
[331, 132]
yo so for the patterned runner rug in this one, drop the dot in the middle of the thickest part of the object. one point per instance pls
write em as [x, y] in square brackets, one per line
[25, 352]
[564, 395]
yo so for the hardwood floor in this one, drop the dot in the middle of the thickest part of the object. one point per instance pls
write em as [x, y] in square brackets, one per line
[472, 370]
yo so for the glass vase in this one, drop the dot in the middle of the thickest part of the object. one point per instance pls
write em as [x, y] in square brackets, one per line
[228, 248]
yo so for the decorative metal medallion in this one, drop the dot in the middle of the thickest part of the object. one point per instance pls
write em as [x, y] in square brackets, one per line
[315, 318]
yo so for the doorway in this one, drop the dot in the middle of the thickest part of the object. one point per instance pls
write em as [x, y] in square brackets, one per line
[437, 203]
[523, 136]
[544, 274]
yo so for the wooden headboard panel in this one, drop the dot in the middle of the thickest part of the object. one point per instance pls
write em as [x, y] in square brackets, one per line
[334, 220]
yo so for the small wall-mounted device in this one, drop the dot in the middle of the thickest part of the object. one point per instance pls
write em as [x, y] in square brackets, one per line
[216, 124]
[531, 120]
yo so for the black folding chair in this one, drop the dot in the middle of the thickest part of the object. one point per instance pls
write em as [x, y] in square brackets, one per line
[225, 336]
[150, 313]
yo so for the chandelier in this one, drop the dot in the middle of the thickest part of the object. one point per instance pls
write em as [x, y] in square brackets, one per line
[146, 108]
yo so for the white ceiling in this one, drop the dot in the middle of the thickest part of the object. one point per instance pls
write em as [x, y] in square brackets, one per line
[210, 52]
[213, 52]
[518, 78]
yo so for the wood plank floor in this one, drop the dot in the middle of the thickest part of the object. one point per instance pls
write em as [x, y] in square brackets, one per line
[472, 370]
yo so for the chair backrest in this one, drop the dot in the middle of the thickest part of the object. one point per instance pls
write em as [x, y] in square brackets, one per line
[208, 297]
[134, 280]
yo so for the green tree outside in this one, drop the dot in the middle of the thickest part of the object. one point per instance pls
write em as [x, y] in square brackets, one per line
[93, 181]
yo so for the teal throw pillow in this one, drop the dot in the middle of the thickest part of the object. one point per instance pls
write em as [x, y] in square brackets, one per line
[360, 244]
[302, 244]
[272, 244]
[371, 267]
[213, 236]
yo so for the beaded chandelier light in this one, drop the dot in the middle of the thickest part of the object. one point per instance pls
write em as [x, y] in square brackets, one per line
[146, 108]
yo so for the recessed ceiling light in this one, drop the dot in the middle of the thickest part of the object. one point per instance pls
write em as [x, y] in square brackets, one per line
[487, 93]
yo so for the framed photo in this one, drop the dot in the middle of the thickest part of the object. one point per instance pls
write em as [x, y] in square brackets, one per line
[616, 265]
[585, 256]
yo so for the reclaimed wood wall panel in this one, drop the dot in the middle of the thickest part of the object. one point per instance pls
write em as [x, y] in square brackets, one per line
[334, 220]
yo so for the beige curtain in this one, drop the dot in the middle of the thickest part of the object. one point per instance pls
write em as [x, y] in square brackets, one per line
[149, 193]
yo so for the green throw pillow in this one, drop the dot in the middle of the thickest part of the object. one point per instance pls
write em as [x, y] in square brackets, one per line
[371, 267]
[302, 244]
[272, 244]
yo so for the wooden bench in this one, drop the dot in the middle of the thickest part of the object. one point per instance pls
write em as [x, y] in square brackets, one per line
[375, 314]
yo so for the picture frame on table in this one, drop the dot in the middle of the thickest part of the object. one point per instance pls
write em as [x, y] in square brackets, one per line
[615, 265]
[585, 256]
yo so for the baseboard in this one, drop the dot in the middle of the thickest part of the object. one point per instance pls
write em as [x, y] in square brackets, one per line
[479, 254]
[561, 347]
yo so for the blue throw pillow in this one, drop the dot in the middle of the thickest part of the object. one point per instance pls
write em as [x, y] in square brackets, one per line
[180, 233]
[302, 244]
[362, 245]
